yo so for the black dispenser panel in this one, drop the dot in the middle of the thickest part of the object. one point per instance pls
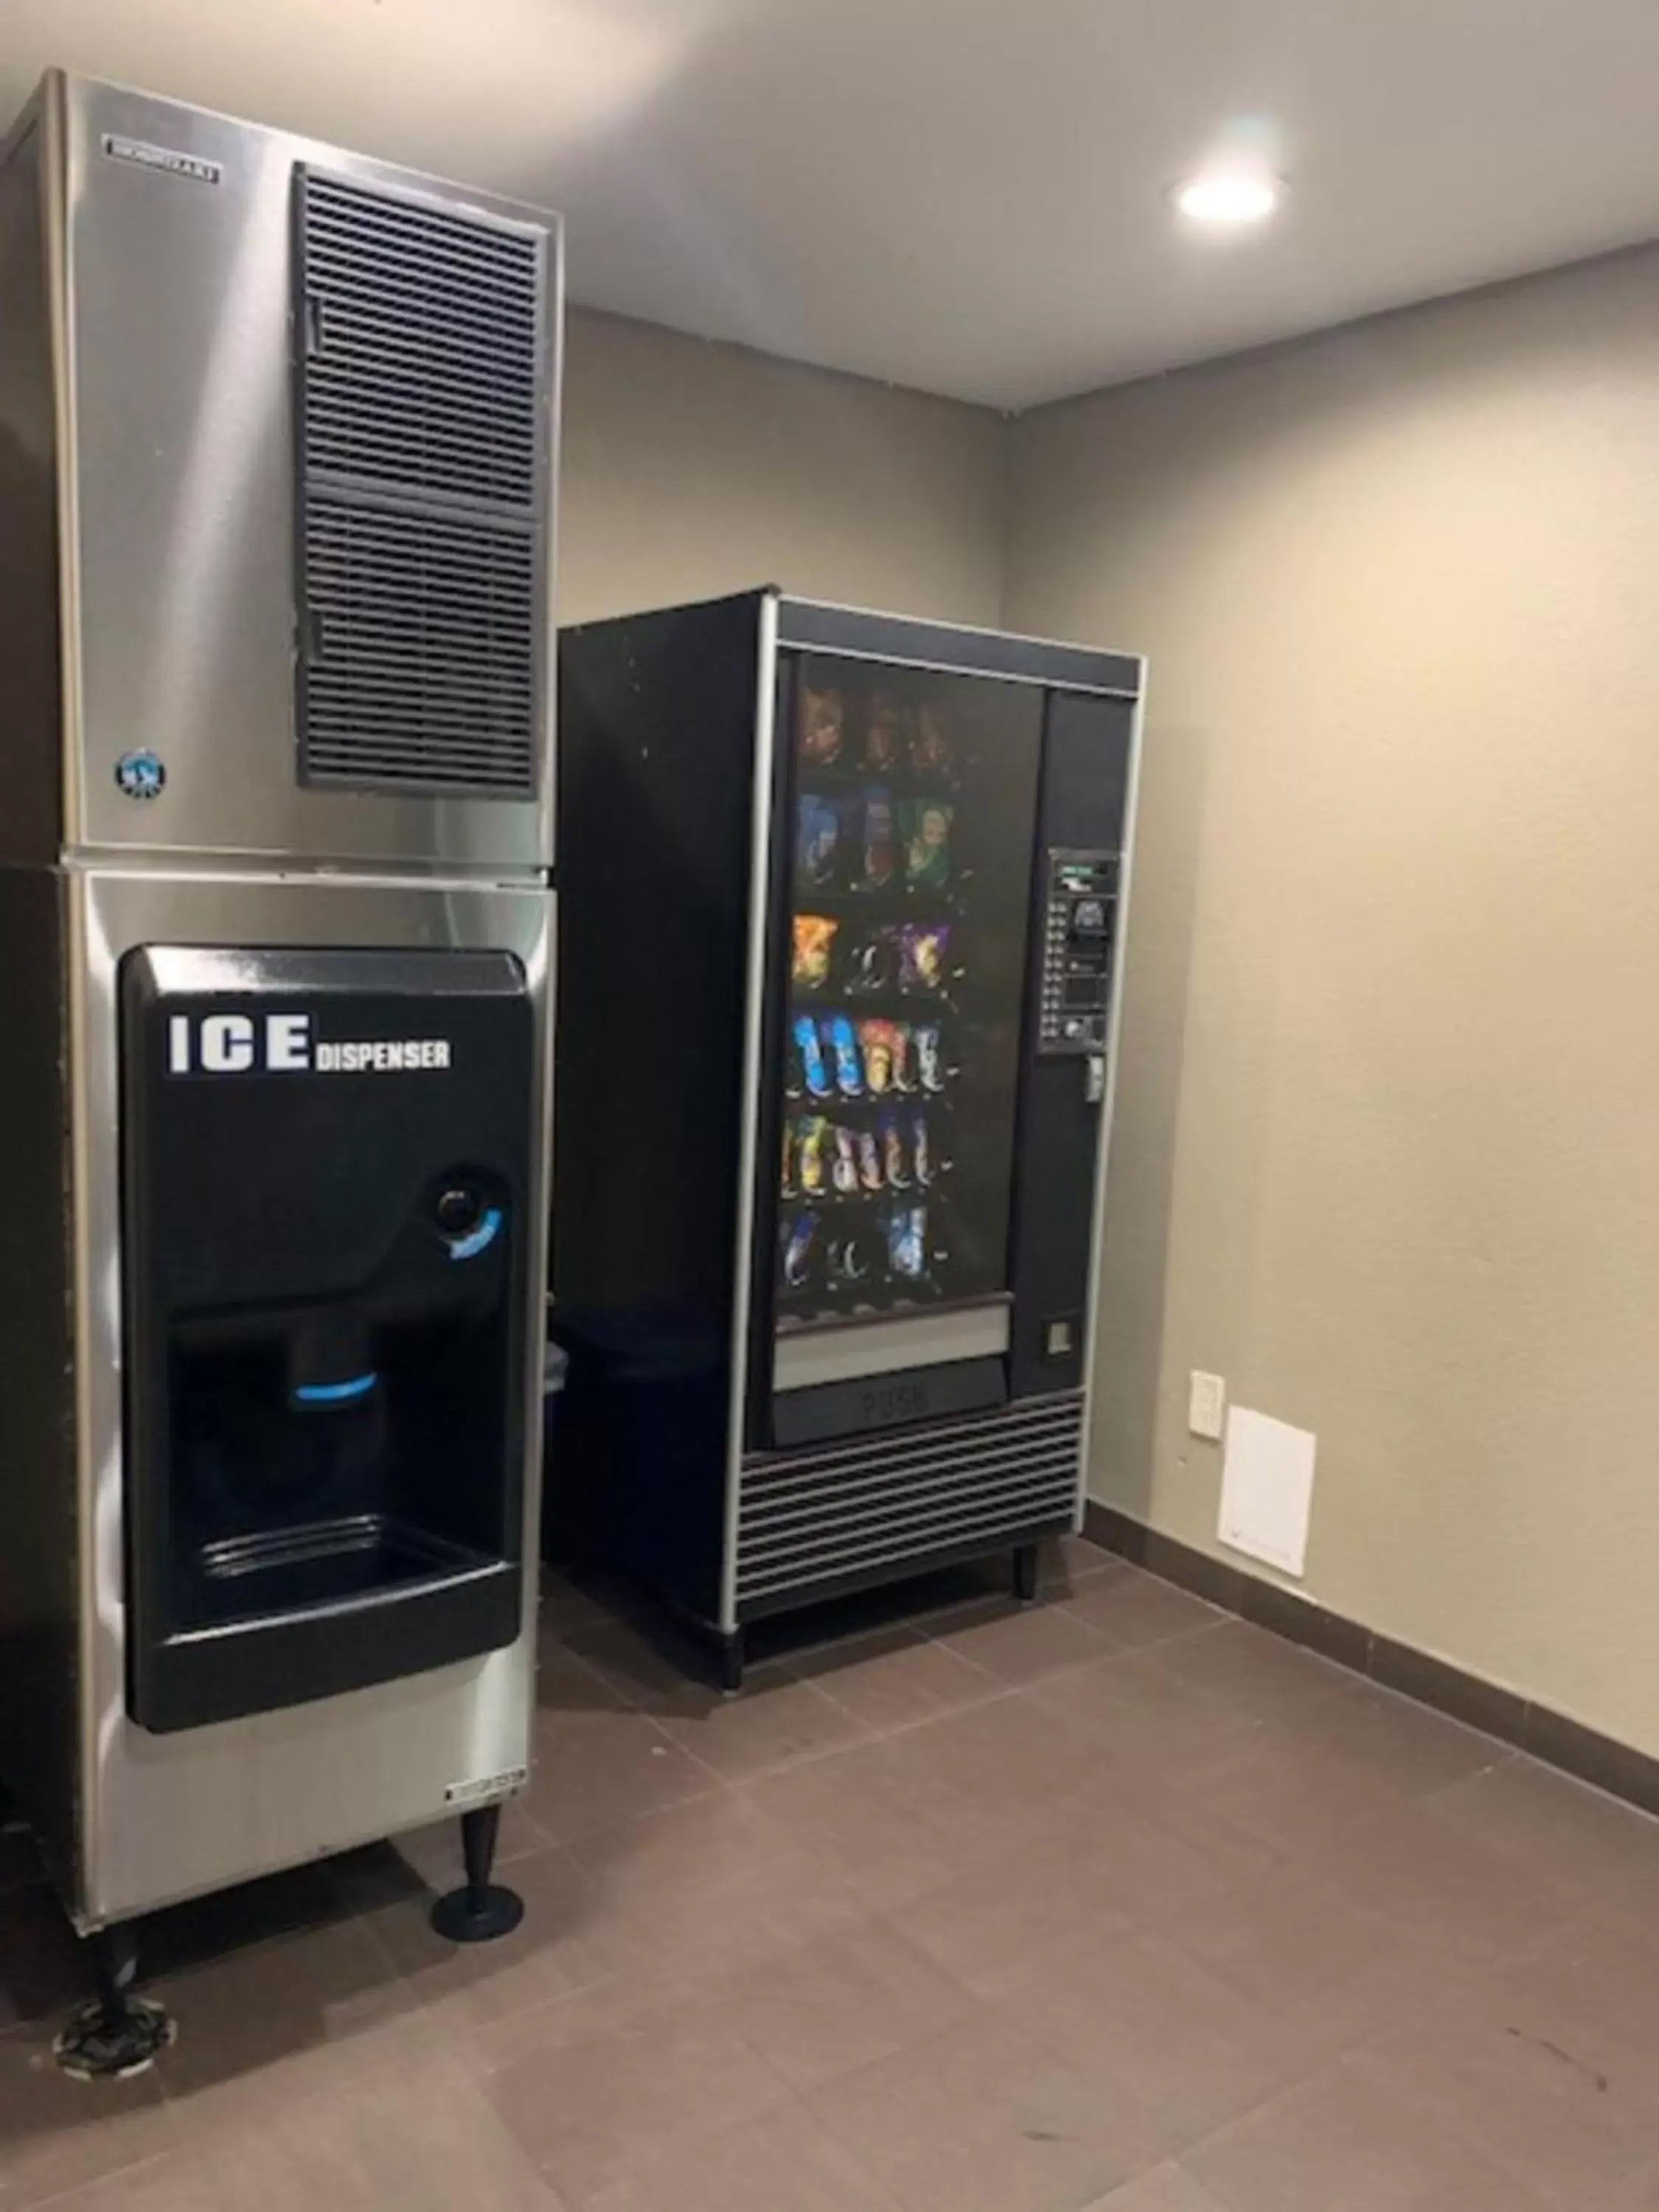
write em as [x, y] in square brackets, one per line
[326, 1163]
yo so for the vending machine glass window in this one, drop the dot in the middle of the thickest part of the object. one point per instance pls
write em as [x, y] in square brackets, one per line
[913, 806]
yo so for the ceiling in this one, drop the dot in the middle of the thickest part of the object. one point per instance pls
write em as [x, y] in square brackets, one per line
[965, 195]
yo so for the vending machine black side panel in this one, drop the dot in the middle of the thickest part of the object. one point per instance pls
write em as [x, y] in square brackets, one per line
[1085, 802]
[38, 1546]
[657, 739]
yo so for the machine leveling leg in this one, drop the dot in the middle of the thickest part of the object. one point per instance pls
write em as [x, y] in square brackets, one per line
[1025, 1572]
[117, 2033]
[479, 1910]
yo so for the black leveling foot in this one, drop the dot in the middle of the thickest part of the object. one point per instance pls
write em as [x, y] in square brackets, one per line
[1025, 1572]
[733, 1653]
[480, 1911]
[117, 2033]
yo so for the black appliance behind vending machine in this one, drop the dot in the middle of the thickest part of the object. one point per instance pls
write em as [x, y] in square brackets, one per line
[838, 982]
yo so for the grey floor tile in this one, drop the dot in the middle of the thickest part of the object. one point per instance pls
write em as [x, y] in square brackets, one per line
[1130, 1707]
[594, 1769]
[896, 1678]
[1017, 1642]
[1321, 1959]
[174, 2182]
[1591, 1998]
[262, 2027]
[780, 1905]
[556, 1948]
[1641, 2195]
[1297, 1791]
[1338, 2144]
[1157, 1851]
[707, 1887]
[1006, 1766]
[981, 2118]
[844, 2000]
[1403, 1745]
[1096, 1599]
[1165, 2189]
[780, 1717]
[58, 2135]
[593, 2088]
[865, 1813]
[1257, 1674]
[691, 1850]
[777, 1720]
[1141, 1613]
[1537, 2107]
[1103, 1902]
[783, 2161]
[1555, 1827]
[1009, 1921]
[421, 2136]
[1066, 1563]
[1141, 2015]
[567, 1683]
[1448, 1888]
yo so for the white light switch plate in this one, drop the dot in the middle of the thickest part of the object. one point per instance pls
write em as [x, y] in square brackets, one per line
[1207, 1405]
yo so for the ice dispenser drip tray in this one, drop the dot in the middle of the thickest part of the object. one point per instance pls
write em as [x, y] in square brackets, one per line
[320, 1562]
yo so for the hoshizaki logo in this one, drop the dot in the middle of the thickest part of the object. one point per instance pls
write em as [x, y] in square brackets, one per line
[140, 774]
[165, 158]
[282, 1044]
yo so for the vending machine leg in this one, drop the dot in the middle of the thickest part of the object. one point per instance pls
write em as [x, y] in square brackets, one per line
[480, 1910]
[117, 2033]
[732, 1654]
[1025, 1572]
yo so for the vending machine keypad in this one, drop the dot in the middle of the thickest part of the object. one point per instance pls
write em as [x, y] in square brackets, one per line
[1079, 931]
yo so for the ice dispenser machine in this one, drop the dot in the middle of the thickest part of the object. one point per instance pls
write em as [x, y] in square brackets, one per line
[277, 931]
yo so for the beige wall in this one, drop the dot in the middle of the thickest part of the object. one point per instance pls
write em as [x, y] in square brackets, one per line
[1387, 1152]
[690, 469]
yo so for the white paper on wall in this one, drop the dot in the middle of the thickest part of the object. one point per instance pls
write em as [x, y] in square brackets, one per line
[1267, 1489]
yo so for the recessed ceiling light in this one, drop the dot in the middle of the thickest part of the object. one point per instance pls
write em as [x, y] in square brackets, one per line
[1229, 199]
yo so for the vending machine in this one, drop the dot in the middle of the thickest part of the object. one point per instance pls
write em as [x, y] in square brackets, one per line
[276, 436]
[838, 1035]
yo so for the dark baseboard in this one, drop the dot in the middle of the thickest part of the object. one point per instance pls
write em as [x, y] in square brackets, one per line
[1549, 1736]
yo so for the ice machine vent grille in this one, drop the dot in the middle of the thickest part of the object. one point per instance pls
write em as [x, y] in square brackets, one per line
[422, 336]
[421, 671]
[873, 1502]
[421, 406]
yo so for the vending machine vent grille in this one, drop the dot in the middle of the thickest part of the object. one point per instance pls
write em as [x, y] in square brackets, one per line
[869, 1506]
[420, 413]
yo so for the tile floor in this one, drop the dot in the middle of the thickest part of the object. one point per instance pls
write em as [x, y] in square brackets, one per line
[1109, 1902]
